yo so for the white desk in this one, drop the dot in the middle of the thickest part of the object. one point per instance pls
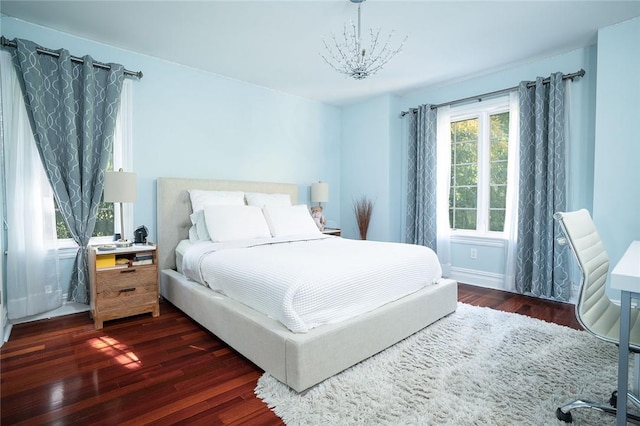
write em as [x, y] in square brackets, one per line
[625, 277]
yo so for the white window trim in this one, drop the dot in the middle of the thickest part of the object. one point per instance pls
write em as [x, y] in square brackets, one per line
[477, 239]
[464, 112]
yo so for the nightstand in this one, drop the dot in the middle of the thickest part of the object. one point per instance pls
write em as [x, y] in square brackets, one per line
[123, 281]
[332, 231]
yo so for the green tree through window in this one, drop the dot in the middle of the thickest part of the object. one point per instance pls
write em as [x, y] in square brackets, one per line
[463, 198]
[499, 137]
[104, 222]
[479, 161]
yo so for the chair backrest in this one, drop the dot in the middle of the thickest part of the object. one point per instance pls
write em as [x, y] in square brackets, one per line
[594, 310]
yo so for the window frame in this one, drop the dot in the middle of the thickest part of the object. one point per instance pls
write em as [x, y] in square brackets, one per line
[482, 111]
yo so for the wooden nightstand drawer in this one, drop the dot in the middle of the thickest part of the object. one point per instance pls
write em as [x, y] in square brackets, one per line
[126, 297]
[116, 279]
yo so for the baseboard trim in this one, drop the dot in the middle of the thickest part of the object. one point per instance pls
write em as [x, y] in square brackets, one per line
[480, 278]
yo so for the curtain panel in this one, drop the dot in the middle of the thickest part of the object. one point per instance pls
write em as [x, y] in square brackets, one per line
[421, 182]
[542, 264]
[33, 280]
[72, 110]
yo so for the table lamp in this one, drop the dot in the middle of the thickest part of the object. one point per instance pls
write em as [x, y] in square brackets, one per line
[319, 193]
[120, 187]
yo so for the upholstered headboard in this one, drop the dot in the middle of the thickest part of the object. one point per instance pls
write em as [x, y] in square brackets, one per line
[174, 208]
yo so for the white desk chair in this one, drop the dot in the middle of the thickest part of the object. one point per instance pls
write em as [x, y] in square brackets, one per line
[595, 312]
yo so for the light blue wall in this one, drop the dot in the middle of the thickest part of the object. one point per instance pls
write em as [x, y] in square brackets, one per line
[374, 151]
[369, 166]
[616, 203]
[189, 123]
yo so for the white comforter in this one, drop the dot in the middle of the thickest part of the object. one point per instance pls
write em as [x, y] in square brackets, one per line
[315, 280]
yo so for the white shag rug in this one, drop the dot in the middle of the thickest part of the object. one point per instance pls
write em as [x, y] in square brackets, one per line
[478, 366]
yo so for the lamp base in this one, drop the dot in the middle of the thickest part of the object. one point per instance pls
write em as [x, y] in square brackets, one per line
[123, 243]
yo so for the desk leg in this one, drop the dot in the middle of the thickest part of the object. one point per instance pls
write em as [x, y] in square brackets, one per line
[623, 358]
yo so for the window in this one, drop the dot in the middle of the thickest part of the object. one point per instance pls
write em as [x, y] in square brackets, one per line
[479, 160]
[106, 220]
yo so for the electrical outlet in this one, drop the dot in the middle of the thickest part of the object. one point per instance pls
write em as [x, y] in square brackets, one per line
[474, 253]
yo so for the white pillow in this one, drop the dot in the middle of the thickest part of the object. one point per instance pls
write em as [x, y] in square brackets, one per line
[198, 230]
[260, 199]
[200, 198]
[193, 234]
[230, 223]
[290, 221]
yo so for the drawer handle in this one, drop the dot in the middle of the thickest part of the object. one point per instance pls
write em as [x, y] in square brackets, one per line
[126, 290]
[127, 271]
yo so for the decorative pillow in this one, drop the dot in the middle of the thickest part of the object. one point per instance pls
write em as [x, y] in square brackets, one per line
[290, 221]
[200, 198]
[198, 231]
[260, 199]
[230, 223]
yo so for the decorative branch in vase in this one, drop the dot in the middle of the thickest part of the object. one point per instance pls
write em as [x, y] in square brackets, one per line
[363, 209]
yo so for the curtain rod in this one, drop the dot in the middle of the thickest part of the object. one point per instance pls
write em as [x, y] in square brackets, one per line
[10, 43]
[494, 93]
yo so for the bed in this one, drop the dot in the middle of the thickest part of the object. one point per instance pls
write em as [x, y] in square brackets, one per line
[300, 360]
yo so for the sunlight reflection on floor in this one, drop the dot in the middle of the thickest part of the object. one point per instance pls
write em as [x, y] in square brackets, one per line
[120, 352]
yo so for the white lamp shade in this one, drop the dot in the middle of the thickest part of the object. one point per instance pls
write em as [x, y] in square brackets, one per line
[120, 187]
[319, 192]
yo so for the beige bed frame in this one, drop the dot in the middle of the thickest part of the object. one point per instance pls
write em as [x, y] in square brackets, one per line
[298, 360]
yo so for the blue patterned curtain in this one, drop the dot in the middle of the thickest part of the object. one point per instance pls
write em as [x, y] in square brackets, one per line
[542, 265]
[421, 190]
[72, 109]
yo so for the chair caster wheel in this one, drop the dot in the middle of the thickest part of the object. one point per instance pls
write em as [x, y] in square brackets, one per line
[613, 401]
[565, 417]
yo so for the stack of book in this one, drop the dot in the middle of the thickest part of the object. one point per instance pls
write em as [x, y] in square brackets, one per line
[144, 258]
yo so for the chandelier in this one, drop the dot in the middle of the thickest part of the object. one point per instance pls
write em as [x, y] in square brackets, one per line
[350, 57]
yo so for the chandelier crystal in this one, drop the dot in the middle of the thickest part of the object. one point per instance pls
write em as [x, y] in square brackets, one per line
[348, 56]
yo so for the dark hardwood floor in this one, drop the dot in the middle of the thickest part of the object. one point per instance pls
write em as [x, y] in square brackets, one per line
[164, 370]
[556, 312]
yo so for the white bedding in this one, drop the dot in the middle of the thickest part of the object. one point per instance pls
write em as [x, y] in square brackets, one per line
[309, 281]
[181, 249]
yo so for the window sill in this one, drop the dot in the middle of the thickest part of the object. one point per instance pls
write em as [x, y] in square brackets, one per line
[497, 239]
[68, 245]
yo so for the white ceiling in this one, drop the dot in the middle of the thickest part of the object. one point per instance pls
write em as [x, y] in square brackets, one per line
[277, 44]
